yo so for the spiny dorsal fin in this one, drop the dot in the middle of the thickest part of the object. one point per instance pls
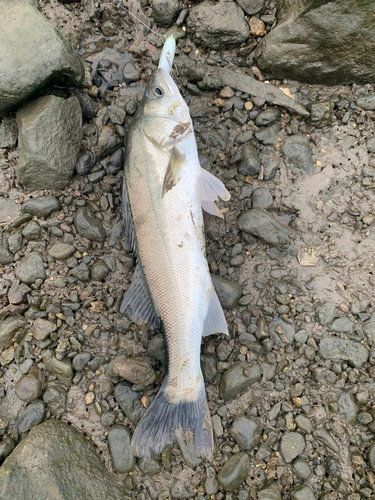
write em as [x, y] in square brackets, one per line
[172, 175]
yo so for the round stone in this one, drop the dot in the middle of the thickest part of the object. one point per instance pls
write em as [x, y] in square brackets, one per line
[33, 415]
[32, 230]
[119, 443]
[149, 466]
[245, 431]
[41, 206]
[61, 251]
[292, 445]
[29, 387]
[99, 271]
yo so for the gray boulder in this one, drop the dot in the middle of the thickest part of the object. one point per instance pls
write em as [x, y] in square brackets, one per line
[321, 42]
[58, 460]
[50, 133]
[32, 52]
[218, 26]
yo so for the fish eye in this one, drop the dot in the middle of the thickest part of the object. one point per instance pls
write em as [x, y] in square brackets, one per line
[156, 93]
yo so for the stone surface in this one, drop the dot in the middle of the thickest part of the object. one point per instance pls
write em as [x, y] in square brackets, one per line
[327, 313]
[25, 68]
[50, 136]
[337, 349]
[8, 132]
[136, 370]
[260, 223]
[250, 161]
[55, 398]
[304, 47]
[31, 268]
[234, 471]
[228, 291]
[165, 12]
[239, 377]
[119, 438]
[157, 348]
[62, 369]
[43, 328]
[246, 432]
[292, 445]
[129, 402]
[297, 155]
[9, 328]
[56, 458]
[29, 387]
[41, 206]
[89, 226]
[218, 26]
[31, 416]
[61, 250]
[269, 492]
[251, 7]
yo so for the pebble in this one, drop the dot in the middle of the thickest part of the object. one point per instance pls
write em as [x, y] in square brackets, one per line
[41, 206]
[55, 398]
[337, 349]
[208, 365]
[119, 443]
[99, 271]
[25, 366]
[327, 313]
[267, 117]
[246, 432]
[136, 370]
[8, 132]
[9, 328]
[302, 493]
[43, 328]
[116, 114]
[320, 113]
[211, 484]
[269, 492]
[304, 423]
[250, 161]
[228, 291]
[88, 226]
[269, 135]
[292, 445]
[31, 268]
[281, 331]
[325, 437]
[81, 272]
[348, 408]
[149, 466]
[61, 251]
[131, 73]
[15, 241]
[251, 7]
[31, 231]
[33, 415]
[29, 387]
[301, 468]
[367, 103]
[260, 223]
[234, 471]
[108, 418]
[7, 445]
[371, 456]
[86, 163]
[262, 198]
[239, 377]
[342, 325]
[270, 162]
[333, 467]
[257, 27]
[18, 293]
[62, 369]
[297, 155]
[108, 141]
[157, 349]
[80, 360]
[165, 13]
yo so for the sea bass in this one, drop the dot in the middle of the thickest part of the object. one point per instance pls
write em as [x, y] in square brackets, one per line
[164, 191]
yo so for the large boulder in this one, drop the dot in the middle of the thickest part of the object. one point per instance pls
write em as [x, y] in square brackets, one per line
[218, 26]
[321, 41]
[50, 133]
[56, 461]
[32, 52]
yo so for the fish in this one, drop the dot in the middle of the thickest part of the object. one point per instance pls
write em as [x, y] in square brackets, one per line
[164, 192]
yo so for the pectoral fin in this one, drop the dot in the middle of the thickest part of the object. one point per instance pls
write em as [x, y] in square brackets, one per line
[173, 173]
[209, 189]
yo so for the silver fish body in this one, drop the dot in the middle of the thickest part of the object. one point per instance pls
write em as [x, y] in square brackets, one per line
[164, 190]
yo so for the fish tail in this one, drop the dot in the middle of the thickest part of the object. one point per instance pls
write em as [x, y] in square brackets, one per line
[167, 422]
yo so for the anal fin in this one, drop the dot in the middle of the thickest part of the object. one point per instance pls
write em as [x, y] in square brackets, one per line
[215, 321]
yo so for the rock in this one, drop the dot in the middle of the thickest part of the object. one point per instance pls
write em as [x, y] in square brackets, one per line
[239, 377]
[320, 113]
[57, 452]
[165, 12]
[29, 387]
[371, 456]
[270, 162]
[131, 73]
[108, 141]
[25, 68]
[43, 328]
[208, 365]
[342, 325]
[250, 161]
[218, 26]
[292, 445]
[303, 492]
[7, 445]
[81, 272]
[246, 432]
[251, 7]
[119, 438]
[31, 231]
[260, 223]
[149, 466]
[268, 136]
[5, 256]
[136, 370]
[41, 206]
[267, 117]
[211, 484]
[61, 251]
[129, 402]
[157, 349]
[116, 114]
[304, 423]
[348, 408]
[9, 328]
[281, 331]
[367, 103]
[304, 47]
[31, 268]
[33, 415]
[325, 437]
[55, 398]
[297, 155]
[234, 471]
[15, 241]
[369, 329]
[88, 226]
[99, 271]
[262, 198]
[18, 293]
[43, 163]
[8, 132]
[269, 492]
[86, 163]
[227, 290]
[337, 349]
[180, 491]
[62, 369]
[80, 360]
[327, 313]
[301, 468]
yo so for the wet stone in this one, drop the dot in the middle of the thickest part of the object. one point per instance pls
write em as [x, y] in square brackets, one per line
[149, 466]
[251, 7]
[116, 114]
[136, 370]
[304, 423]
[270, 162]
[268, 136]
[131, 73]
[292, 445]
[234, 471]
[29, 387]
[262, 198]
[86, 163]
[119, 443]
[129, 402]
[320, 113]
[88, 226]
[367, 103]
[157, 348]
[239, 377]
[281, 331]
[342, 325]
[32, 230]
[61, 251]
[228, 291]
[165, 12]
[301, 468]
[9, 329]
[269, 492]
[250, 161]
[108, 141]
[7, 445]
[327, 313]
[302, 493]
[260, 223]
[371, 456]
[41, 206]
[337, 349]
[208, 365]
[246, 432]
[297, 155]
[55, 398]
[31, 268]
[108, 418]
[99, 271]
[266, 117]
[333, 467]
[33, 415]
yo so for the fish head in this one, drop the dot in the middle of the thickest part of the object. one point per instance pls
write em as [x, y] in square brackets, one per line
[165, 117]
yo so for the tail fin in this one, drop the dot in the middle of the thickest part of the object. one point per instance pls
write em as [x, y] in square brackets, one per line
[165, 423]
